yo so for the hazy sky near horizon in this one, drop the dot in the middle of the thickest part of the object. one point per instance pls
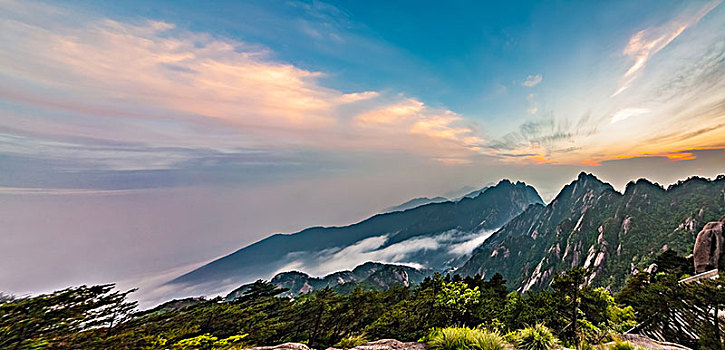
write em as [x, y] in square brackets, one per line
[140, 138]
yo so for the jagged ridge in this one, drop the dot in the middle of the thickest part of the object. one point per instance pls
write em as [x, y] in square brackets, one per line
[591, 224]
[368, 276]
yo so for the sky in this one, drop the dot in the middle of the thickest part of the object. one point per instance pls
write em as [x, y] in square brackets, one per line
[141, 139]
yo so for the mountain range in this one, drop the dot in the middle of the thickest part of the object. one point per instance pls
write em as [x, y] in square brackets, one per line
[504, 228]
[590, 224]
[368, 276]
[439, 235]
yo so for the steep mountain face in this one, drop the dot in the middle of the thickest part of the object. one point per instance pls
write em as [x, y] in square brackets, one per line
[414, 203]
[438, 235]
[368, 276]
[607, 232]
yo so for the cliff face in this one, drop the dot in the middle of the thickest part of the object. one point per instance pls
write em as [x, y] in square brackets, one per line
[710, 247]
[590, 224]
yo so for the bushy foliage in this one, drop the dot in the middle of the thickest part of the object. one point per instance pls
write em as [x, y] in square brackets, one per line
[208, 342]
[351, 342]
[537, 337]
[464, 338]
[59, 317]
[622, 346]
[101, 318]
[486, 340]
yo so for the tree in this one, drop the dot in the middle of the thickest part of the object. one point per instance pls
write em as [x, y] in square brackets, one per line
[671, 263]
[58, 317]
[568, 286]
[706, 298]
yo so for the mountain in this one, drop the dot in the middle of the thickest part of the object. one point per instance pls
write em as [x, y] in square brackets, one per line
[460, 193]
[591, 224]
[465, 192]
[473, 194]
[368, 276]
[414, 203]
[438, 235]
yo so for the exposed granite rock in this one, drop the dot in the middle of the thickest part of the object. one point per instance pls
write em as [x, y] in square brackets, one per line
[285, 346]
[390, 344]
[643, 342]
[710, 246]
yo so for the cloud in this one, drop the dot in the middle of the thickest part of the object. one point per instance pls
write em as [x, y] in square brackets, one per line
[532, 80]
[628, 112]
[676, 103]
[156, 85]
[647, 42]
[454, 243]
[411, 122]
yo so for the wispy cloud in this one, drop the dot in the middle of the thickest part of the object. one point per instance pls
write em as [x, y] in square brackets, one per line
[675, 104]
[533, 80]
[628, 112]
[647, 42]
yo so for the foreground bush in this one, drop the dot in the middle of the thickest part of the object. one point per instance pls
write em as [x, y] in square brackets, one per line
[351, 342]
[464, 338]
[536, 338]
[622, 346]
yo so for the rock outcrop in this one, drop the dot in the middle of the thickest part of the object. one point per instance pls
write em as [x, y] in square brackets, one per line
[642, 342]
[710, 246]
[285, 346]
[382, 344]
[388, 344]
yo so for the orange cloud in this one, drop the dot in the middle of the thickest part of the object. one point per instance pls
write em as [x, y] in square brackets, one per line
[410, 122]
[675, 155]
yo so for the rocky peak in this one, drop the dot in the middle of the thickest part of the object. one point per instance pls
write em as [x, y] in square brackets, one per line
[584, 183]
[642, 185]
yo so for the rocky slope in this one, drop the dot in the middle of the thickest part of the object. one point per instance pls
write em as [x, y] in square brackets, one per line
[436, 235]
[592, 225]
[368, 276]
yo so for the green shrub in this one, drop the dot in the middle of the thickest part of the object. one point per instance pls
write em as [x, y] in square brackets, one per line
[351, 342]
[510, 337]
[464, 338]
[486, 340]
[536, 338]
[622, 346]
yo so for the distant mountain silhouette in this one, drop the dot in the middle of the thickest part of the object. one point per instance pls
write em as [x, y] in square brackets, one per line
[436, 235]
[414, 203]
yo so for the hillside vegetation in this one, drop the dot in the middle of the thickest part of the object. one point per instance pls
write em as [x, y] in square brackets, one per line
[575, 313]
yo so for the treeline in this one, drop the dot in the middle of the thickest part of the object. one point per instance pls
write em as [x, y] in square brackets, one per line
[579, 315]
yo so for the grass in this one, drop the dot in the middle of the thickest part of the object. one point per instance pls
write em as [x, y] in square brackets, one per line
[537, 337]
[464, 338]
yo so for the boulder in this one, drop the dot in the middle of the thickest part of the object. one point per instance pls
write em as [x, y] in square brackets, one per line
[285, 346]
[642, 342]
[710, 246]
[390, 344]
